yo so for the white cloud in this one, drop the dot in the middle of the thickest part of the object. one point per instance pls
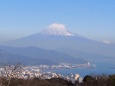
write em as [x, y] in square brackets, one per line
[106, 42]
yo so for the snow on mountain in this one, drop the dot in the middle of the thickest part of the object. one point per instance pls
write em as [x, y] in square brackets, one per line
[56, 29]
[55, 37]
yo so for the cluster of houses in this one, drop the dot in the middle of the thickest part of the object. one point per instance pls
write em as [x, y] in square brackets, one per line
[32, 72]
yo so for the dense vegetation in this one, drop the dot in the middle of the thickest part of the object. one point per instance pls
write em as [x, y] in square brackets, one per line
[87, 81]
[36, 82]
[100, 80]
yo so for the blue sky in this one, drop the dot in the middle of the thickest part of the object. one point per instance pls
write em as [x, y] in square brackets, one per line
[94, 19]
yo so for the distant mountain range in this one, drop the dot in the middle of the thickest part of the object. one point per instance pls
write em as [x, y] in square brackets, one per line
[35, 56]
[55, 38]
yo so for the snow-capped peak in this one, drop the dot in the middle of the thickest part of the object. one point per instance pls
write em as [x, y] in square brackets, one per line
[56, 29]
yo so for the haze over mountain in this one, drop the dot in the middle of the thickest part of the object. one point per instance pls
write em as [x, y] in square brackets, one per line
[56, 37]
[35, 56]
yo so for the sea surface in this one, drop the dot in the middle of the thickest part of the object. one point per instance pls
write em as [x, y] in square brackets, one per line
[106, 68]
[86, 71]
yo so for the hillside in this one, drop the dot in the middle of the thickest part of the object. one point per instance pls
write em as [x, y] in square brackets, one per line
[36, 56]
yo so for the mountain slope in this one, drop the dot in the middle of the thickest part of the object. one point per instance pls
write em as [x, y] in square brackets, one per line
[7, 58]
[56, 37]
[56, 29]
[41, 56]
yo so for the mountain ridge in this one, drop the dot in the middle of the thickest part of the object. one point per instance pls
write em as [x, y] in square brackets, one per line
[34, 55]
[59, 41]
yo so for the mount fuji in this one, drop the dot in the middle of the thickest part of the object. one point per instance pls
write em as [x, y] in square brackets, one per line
[56, 37]
[56, 29]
